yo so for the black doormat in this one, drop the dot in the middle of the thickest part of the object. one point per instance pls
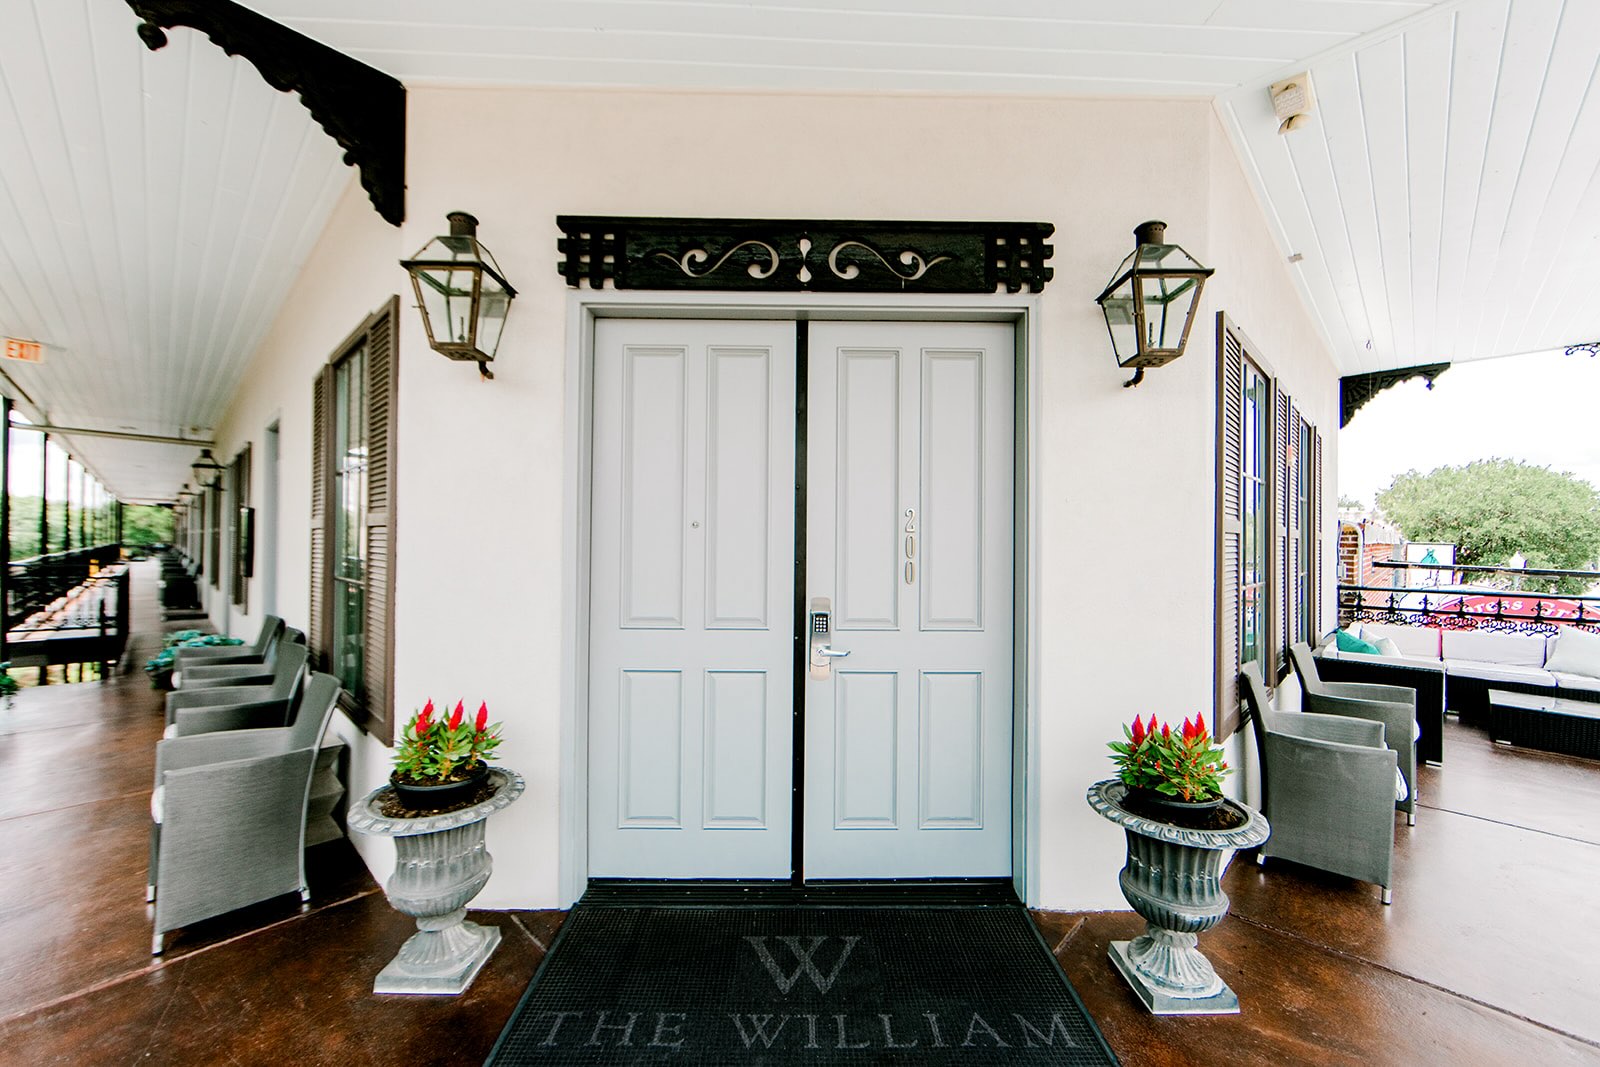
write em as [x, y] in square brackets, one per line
[799, 985]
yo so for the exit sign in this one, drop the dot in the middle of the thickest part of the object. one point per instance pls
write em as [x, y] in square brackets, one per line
[26, 351]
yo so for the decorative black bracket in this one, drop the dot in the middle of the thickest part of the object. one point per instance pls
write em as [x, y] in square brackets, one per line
[1356, 389]
[360, 107]
[796, 256]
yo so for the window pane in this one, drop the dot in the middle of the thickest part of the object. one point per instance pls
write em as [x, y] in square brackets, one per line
[349, 500]
[1254, 517]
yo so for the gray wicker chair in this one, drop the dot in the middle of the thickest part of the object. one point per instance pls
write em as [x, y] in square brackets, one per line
[210, 675]
[1393, 705]
[1327, 788]
[271, 630]
[229, 815]
[239, 707]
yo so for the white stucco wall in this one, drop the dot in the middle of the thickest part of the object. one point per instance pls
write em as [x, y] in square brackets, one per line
[1127, 475]
[351, 272]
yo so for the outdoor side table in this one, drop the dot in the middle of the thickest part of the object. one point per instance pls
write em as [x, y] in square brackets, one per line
[1551, 724]
[441, 863]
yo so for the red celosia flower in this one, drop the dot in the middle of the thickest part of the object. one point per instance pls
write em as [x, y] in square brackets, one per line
[1138, 731]
[455, 716]
[1166, 730]
[1188, 730]
[483, 717]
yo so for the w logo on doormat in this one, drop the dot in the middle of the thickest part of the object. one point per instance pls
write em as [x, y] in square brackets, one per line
[804, 958]
[669, 985]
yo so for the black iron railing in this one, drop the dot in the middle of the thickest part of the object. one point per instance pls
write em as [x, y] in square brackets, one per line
[1494, 602]
[36, 585]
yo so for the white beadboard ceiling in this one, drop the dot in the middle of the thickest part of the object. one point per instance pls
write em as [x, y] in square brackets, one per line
[154, 207]
[1445, 198]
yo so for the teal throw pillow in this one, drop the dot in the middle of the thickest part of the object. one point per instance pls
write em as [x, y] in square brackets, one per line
[1350, 643]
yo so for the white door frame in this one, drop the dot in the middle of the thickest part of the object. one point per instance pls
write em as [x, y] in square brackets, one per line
[583, 308]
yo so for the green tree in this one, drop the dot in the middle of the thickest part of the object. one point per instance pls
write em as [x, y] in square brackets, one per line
[146, 524]
[1492, 509]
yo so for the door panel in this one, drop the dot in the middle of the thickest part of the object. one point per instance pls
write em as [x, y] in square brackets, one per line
[908, 496]
[909, 534]
[691, 646]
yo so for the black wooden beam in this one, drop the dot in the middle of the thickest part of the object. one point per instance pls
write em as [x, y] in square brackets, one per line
[1356, 389]
[804, 255]
[360, 107]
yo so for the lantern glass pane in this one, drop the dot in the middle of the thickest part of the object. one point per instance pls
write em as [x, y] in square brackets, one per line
[1166, 257]
[493, 304]
[447, 301]
[1121, 322]
[1167, 302]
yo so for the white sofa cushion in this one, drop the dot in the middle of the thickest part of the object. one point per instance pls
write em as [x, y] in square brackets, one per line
[156, 803]
[1575, 651]
[1487, 646]
[1424, 662]
[1587, 682]
[1411, 640]
[1498, 672]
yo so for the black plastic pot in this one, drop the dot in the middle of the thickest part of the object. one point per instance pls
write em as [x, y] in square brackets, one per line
[442, 796]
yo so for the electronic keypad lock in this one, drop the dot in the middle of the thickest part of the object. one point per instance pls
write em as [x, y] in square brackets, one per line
[820, 633]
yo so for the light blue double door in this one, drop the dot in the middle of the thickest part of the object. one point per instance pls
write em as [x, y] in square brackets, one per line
[903, 712]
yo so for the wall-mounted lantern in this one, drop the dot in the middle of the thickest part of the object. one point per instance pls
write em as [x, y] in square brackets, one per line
[461, 293]
[207, 471]
[1150, 303]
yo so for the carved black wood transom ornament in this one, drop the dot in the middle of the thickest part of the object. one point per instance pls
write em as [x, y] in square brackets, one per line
[360, 107]
[794, 256]
[1357, 389]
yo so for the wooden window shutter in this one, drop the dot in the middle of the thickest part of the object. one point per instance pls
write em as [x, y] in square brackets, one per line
[1229, 527]
[382, 425]
[318, 626]
[1313, 602]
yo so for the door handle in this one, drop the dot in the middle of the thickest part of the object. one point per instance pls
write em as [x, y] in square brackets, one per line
[830, 652]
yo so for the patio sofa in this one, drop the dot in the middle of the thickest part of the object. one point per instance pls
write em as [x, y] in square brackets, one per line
[1470, 663]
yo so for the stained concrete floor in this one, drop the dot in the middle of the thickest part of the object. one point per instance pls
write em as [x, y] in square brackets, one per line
[1484, 958]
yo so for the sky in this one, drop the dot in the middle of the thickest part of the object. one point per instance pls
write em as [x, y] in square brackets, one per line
[1542, 409]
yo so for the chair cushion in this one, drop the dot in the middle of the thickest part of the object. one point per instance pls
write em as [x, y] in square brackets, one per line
[155, 804]
[1513, 650]
[1401, 793]
[1420, 641]
[1387, 647]
[1350, 643]
[1587, 682]
[171, 730]
[1498, 672]
[1575, 651]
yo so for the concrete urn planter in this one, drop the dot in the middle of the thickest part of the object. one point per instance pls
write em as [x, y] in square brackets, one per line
[441, 863]
[1173, 878]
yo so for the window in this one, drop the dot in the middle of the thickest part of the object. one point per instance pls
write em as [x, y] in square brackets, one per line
[349, 517]
[239, 531]
[1307, 468]
[352, 520]
[214, 533]
[1269, 516]
[1253, 594]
